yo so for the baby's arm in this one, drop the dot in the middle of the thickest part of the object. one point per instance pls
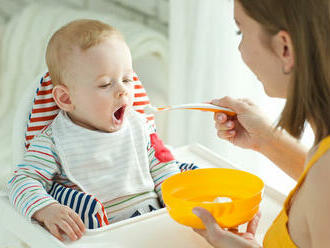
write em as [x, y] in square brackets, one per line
[162, 163]
[33, 177]
[30, 183]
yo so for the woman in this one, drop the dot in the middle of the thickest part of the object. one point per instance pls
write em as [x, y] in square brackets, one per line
[286, 44]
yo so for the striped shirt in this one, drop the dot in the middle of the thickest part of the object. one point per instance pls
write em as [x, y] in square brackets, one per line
[41, 166]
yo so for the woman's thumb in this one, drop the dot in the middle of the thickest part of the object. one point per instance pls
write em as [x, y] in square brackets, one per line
[253, 224]
[231, 103]
[207, 218]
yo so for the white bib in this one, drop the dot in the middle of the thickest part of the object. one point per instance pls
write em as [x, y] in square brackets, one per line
[107, 165]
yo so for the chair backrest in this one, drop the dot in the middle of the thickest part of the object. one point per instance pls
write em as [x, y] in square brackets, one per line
[38, 109]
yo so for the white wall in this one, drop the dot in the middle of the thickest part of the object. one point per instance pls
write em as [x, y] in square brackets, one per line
[152, 13]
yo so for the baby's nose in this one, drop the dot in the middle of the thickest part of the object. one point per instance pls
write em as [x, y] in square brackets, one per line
[121, 90]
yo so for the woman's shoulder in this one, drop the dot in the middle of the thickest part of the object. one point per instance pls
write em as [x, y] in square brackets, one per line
[316, 199]
[318, 177]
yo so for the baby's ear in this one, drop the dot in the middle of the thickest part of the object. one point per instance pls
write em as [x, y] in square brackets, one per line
[62, 98]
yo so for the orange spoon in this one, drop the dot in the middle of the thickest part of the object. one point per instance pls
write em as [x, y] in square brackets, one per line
[192, 106]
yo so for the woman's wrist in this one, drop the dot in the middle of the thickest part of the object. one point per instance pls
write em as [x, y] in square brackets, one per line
[268, 140]
[284, 150]
[264, 138]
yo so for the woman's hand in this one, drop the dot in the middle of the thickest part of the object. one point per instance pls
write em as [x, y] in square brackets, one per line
[220, 238]
[247, 129]
[60, 219]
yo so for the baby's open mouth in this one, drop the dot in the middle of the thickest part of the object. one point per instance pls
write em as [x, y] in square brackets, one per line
[119, 114]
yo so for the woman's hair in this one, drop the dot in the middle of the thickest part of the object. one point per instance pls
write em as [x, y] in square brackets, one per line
[82, 34]
[308, 23]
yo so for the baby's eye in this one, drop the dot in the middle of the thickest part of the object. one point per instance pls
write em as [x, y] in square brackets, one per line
[238, 32]
[105, 85]
[127, 80]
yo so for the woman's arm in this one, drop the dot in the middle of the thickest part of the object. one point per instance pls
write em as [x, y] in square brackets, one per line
[250, 129]
[285, 151]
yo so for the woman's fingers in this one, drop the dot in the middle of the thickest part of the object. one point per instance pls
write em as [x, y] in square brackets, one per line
[226, 134]
[247, 101]
[219, 237]
[207, 219]
[225, 126]
[233, 229]
[253, 224]
[227, 102]
[202, 232]
[220, 117]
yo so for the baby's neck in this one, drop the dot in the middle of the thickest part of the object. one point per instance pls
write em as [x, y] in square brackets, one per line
[79, 123]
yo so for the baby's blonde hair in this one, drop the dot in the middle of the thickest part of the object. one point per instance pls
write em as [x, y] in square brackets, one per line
[82, 34]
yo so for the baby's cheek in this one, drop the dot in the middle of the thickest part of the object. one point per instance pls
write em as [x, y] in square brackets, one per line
[102, 111]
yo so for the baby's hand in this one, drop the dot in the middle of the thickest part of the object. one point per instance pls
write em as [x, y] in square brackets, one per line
[60, 219]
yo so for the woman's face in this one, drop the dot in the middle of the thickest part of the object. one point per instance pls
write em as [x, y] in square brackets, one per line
[257, 49]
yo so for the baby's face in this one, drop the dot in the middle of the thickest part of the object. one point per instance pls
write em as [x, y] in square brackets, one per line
[101, 85]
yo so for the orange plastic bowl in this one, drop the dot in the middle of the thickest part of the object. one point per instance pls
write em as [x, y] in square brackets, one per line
[199, 188]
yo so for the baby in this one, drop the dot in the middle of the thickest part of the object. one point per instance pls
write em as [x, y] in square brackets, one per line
[97, 143]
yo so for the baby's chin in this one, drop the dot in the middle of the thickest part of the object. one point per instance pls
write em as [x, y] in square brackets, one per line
[107, 126]
[113, 129]
[114, 125]
[118, 117]
[110, 123]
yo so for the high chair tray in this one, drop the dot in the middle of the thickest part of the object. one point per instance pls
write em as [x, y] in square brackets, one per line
[155, 229]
